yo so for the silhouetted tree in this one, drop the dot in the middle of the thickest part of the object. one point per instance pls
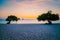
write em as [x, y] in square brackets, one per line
[11, 18]
[48, 16]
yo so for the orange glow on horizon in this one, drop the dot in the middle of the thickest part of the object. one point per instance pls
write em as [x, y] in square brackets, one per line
[27, 17]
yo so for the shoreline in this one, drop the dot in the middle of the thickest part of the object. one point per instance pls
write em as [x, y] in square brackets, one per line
[32, 24]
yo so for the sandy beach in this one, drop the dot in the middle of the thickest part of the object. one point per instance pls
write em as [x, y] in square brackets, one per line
[29, 32]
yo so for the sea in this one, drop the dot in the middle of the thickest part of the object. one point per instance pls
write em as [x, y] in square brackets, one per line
[29, 31]
[27, 21]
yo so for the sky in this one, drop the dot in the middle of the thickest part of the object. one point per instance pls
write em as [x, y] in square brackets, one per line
[28, 8]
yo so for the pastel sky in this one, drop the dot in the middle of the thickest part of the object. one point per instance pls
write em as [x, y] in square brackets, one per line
[28, 8]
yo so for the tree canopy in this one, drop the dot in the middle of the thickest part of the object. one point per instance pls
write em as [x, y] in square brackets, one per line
[48, 16]
[11, 18]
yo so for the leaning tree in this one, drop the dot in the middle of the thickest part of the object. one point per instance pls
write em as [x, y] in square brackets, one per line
[48, 16]
[11, 18]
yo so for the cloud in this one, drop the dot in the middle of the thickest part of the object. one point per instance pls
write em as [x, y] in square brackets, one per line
[4, 3]
[29, 7]
[32, 1]
[43, 0]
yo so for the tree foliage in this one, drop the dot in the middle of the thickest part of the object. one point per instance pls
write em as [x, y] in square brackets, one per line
[11, 18]
[48, 16]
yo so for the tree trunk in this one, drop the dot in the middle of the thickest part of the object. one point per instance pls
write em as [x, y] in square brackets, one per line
[49, 22]
[9, 22]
